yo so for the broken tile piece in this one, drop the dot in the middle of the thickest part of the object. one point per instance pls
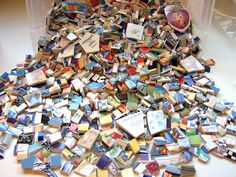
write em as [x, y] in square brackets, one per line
[90, 43]
[55, 137]
[134, 146]
[134, 31]
[115, 90]
[55, 161]
[127, 172]
[33, 99]
[89, 138]
[35, 77]
[133, 124]
[191, 64]
[28, 163]
[156, 122]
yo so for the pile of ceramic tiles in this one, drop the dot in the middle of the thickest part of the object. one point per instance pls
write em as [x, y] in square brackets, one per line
[115, 89]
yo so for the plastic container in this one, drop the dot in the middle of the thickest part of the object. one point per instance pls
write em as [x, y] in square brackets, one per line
[37, 11]
[201, 12]
[224, 19]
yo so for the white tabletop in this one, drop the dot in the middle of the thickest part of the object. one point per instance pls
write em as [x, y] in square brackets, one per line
[15, 43]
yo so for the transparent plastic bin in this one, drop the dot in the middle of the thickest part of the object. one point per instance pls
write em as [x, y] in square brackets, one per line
[224, 19]
[201, 13]
[37, 11]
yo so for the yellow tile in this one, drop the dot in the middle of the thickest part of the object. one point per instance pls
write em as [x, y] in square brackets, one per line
[134, 146]
[67, 154]
[102, 173]
[129, 154]
[128, 172]
[142, 142]
[108, 132]
[191, 96]
[105, 120]
[82, 128]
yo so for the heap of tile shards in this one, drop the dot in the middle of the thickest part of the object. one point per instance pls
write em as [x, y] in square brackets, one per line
[115, 89]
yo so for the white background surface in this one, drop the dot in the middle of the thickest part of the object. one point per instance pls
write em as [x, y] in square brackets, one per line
[15, 44]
